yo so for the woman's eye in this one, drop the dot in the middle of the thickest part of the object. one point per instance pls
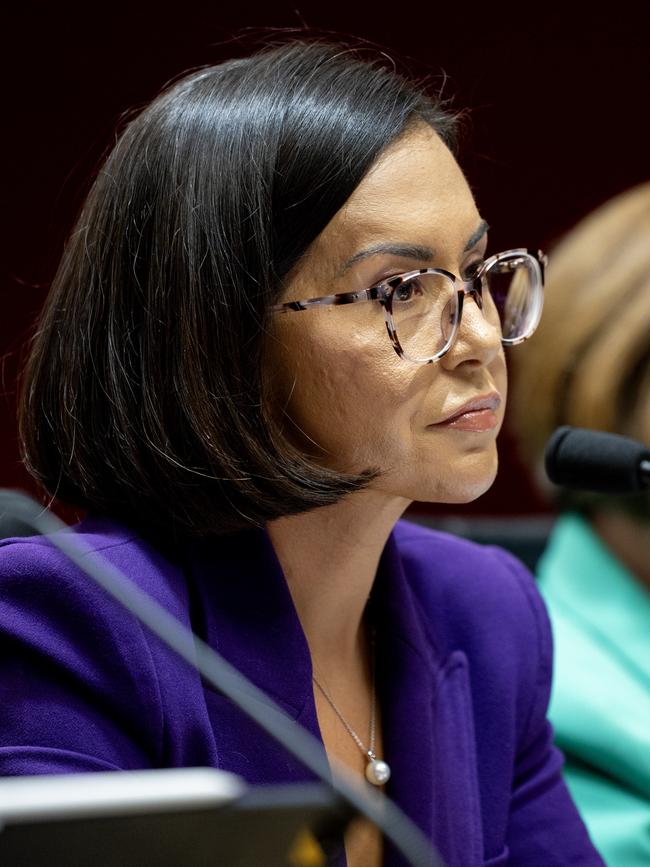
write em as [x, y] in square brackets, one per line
[472, 269]
[407, 291]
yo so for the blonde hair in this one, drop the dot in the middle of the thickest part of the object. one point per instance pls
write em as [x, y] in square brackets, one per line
[588, 364]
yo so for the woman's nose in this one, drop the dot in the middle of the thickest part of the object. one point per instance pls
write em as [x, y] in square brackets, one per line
[478, 337]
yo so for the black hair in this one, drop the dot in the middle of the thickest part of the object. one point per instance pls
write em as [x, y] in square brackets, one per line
[143, 395]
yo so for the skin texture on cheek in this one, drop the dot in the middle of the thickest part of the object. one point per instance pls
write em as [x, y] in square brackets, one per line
[343, 392]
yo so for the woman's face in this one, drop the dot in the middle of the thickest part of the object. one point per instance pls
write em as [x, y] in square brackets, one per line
[348, 399]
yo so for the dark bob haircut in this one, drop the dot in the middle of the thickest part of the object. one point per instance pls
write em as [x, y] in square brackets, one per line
[143, 394]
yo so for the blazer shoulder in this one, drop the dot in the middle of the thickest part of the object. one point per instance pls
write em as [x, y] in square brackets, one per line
[483, 601]
[71, 644]
[34, 562]
[471, 579]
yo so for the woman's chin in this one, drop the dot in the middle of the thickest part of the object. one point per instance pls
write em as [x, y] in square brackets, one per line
[466, 481]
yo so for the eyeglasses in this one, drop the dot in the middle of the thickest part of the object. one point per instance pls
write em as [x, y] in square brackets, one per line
[423, 308]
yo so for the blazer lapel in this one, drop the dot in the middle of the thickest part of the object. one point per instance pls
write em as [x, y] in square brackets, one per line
[428, 722]
[248, 616]
[456, 806]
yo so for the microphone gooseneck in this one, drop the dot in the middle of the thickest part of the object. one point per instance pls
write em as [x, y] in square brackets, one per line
[589, 460]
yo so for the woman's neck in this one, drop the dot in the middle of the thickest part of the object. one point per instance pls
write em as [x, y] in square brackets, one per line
[330, 558]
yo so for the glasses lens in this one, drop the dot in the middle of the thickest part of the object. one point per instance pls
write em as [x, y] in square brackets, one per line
[425, 311]
[514, 284]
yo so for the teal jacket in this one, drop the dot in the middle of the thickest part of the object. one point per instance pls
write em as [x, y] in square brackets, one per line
[600, 700]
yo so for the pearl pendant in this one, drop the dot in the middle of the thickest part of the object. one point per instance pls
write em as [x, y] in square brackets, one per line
[377, 772]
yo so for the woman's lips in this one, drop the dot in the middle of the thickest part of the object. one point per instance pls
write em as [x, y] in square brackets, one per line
[476, 420]
[478, 414]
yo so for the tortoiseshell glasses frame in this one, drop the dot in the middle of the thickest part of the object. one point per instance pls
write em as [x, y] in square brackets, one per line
[383, 292]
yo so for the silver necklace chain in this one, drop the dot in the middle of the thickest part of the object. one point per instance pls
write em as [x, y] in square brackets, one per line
[377, 771]
[370, 749]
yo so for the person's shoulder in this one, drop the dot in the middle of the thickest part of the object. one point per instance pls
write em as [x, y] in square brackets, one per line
[95, 533]
[33, 567]
[480, 602]
[476, 596]
[442, 562]
[75, 648]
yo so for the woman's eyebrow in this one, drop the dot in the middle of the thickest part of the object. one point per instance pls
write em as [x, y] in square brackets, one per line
[478, 234]
[408, 251]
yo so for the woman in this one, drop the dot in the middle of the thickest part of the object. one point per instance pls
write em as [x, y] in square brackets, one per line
[589, 366]
[246, 452]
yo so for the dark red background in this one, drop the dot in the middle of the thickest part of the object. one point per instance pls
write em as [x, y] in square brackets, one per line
[558, 125]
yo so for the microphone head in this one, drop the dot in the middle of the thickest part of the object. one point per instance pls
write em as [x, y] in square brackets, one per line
[588, 460]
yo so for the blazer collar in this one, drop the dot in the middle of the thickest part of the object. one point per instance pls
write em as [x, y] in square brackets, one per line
[246, 613]
[249, 616]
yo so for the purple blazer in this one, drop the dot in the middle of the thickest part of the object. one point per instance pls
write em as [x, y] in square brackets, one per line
[464, 672]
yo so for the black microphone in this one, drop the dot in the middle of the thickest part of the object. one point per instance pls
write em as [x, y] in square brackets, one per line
[589, 460]
[407, 838]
